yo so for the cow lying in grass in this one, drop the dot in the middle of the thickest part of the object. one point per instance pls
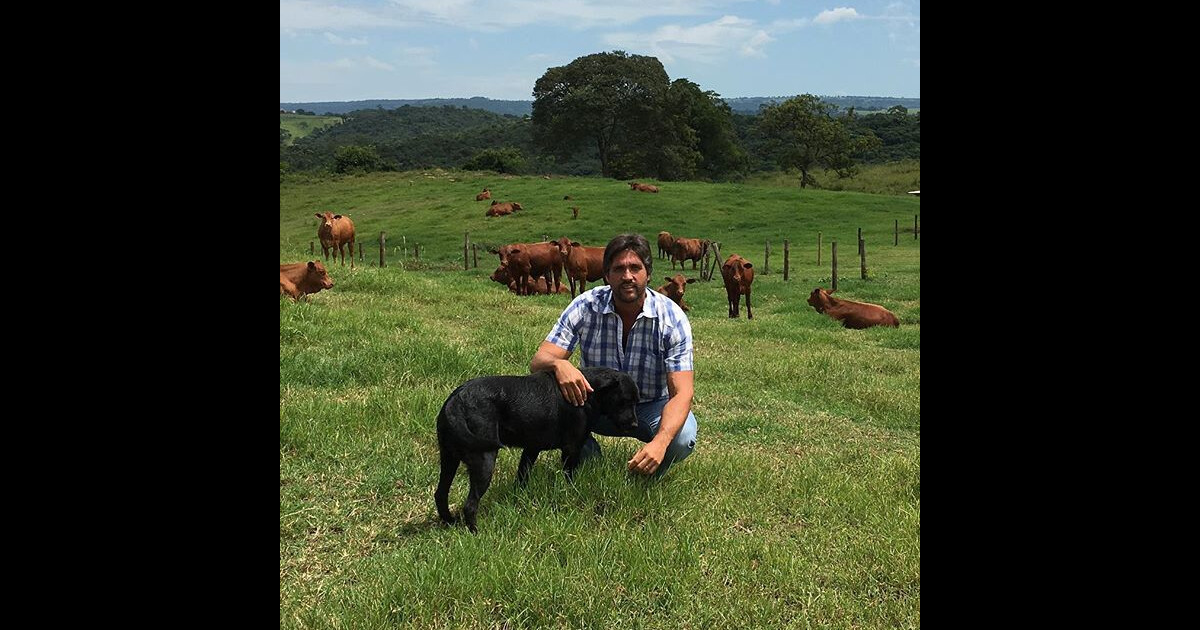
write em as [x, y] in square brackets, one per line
[852, 314]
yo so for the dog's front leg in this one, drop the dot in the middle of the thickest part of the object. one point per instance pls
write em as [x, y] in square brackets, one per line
[528, 457]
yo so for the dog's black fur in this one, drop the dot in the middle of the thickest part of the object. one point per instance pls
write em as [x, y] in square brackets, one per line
[489, 412]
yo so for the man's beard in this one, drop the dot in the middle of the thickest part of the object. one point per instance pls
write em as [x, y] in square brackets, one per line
[639, 293]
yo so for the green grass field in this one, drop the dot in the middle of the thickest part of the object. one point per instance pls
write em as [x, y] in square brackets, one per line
[300, 125]
[799, 508]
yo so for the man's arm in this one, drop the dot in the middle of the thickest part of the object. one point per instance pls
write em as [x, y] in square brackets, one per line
[650, 456]
[551, 358]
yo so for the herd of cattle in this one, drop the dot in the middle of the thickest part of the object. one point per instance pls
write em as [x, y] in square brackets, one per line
[537, 268]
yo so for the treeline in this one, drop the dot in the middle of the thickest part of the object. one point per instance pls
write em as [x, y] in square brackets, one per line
[745, 105]
[645, 126]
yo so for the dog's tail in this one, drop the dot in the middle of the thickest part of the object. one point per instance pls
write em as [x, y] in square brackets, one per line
[453, 429]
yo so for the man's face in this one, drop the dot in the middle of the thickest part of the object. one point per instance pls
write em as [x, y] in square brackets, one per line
[628, 277]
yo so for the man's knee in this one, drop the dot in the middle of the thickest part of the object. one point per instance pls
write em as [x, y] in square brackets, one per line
[685, 442]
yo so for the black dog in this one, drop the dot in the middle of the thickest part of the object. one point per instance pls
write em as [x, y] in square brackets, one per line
[489, 412]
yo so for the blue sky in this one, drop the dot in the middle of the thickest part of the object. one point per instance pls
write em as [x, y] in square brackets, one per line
[349, 50]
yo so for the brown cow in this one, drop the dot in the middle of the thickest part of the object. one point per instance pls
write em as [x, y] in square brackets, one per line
[582, 264]
[540, 285]
[692, 249]
[486, 194]
[500, 209]
[300, 279]
[674, 289]
[852, 314]
[643, 187]
[525, 261]
[665, 242]
[738, 274]
[335, 231]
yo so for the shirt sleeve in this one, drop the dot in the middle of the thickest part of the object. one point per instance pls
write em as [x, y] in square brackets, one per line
[679, 354]
[564, 333]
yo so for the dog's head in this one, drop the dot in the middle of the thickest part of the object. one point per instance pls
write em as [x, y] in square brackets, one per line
[616, 396]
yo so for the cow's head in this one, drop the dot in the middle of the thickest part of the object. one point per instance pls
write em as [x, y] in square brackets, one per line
[316, 271]
[737, 269]
[501, 274]
[819, 299]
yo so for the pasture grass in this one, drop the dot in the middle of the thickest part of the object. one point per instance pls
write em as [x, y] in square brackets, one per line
[891, 178]
[799, 508]
[300, 125]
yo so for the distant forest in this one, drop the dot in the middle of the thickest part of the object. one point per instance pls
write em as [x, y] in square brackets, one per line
[741, 105]
[454, 136]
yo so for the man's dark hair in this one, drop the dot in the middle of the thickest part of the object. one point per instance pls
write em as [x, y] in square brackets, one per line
[635, 242]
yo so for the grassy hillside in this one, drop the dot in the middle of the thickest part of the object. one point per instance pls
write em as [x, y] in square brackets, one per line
[799, 508]
[300, 125]
[892, 178]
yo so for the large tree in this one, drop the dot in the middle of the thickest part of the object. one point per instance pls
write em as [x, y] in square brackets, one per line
[606, 100]
[802, 133]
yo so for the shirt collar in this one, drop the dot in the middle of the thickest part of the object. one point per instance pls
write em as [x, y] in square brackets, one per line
[606, 303]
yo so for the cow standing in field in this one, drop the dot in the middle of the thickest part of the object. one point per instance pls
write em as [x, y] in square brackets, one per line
[582, 264]
[486, 194]
[857, 315]
[335, 231]
[526, 261]
[665, 243]
[674, 289]
[738, 274]
[692, 249]
[299, 279]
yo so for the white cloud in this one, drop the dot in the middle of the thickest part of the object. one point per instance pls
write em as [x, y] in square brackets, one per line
[783, 26]
[305, 15]
[493, 15]
[377, 64]
[343, 41]
[829, 16]
[708, 43]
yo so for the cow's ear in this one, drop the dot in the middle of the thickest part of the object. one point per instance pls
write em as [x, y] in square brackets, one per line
[337, 216]
[319, 215]
[667, 278]
[691, 280]
[514, 251]
[747, 265]
[312, 265]
[574, 244]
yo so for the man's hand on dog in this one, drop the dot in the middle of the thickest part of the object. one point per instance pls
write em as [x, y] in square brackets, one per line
[648, 458]
[574, 386]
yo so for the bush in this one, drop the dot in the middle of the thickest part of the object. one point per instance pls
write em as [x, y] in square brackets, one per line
[356, 159]
[506, 160]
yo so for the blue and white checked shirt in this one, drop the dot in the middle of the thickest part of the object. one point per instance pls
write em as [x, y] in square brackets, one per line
[659, 342]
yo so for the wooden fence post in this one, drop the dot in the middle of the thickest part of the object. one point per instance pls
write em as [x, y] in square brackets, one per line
[897, 242]
[382, 249]
[860, 242]
[915, 227]
[834, 266]
[352, 255]
[767, 259]
[818, 249]
[862, 253]
[311, 249]
[785, 259]
[416, 251]
[360, 251]
[466, 246]
[474, 256]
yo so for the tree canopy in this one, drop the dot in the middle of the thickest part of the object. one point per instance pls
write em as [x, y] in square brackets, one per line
[802, 133]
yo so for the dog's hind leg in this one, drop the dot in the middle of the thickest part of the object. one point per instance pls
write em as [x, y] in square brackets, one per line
[528, 457]
[441, 496]
[480, 466]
